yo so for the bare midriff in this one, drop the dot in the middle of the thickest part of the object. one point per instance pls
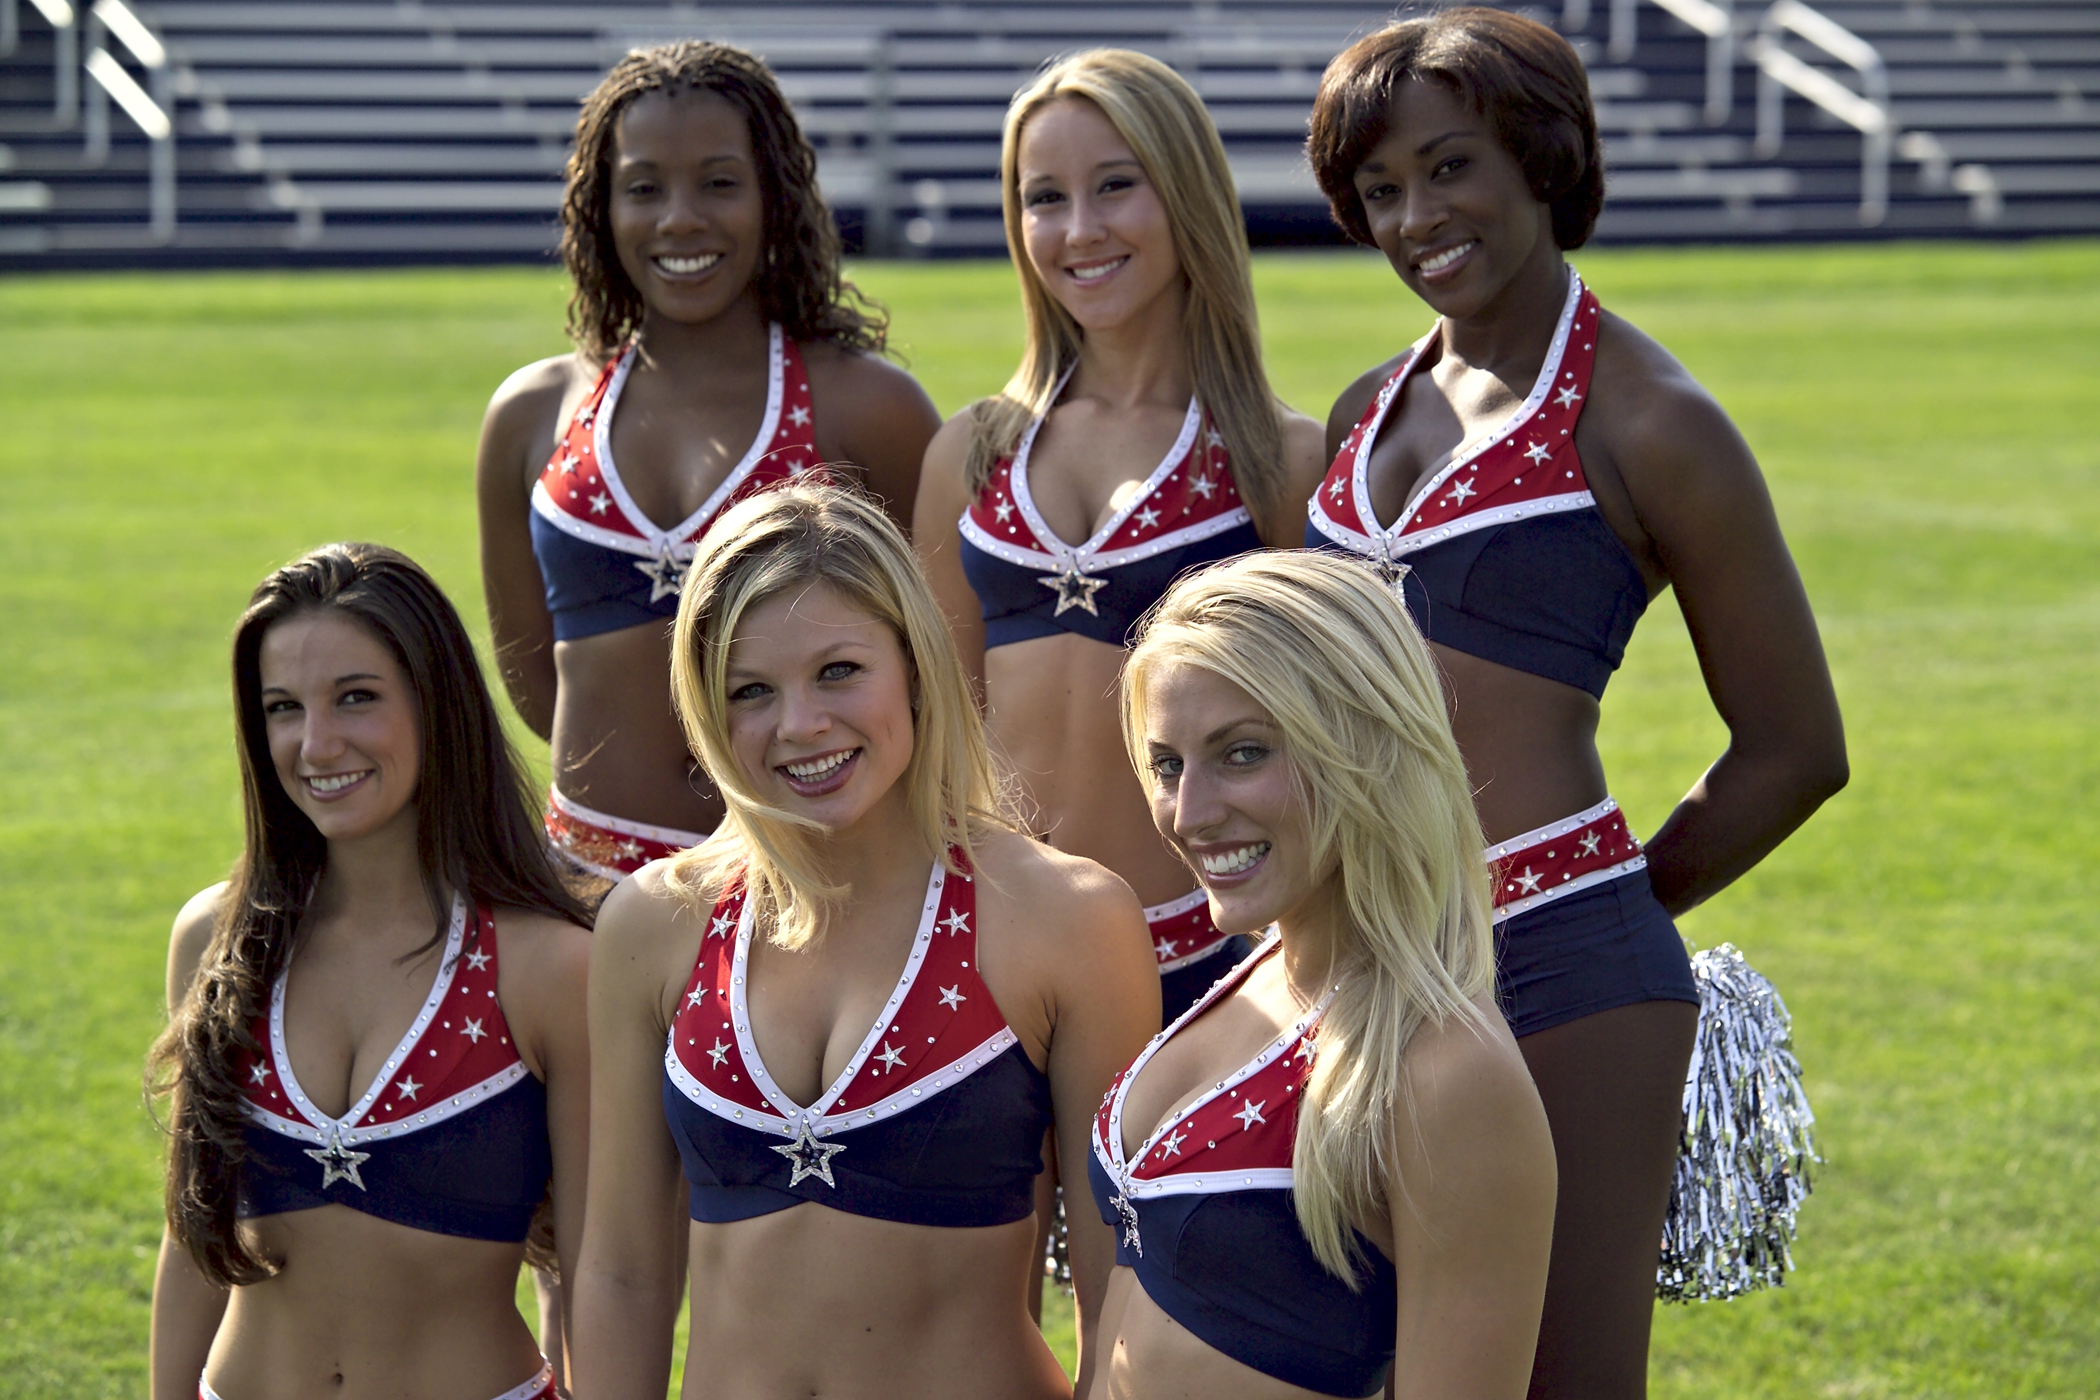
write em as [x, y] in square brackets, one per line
[1144, 1347]
[813, 1301]
[365, 1309]
[1530, 744]
[617, 744]
[1054, 713]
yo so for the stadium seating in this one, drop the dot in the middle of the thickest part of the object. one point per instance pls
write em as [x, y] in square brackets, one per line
[357, 130]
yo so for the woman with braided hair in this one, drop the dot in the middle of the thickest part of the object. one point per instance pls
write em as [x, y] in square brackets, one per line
[718, 352]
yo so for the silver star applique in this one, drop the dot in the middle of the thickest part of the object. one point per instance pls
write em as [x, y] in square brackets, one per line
[1590, 842]
[665, 574]
[952, 997]
[1528, 882]
[338, 1163]
[1128, 1214]
[810, 1157]
[1074, 590]
[956, 922]
[1567, 396]
[1538, 452]
[1250, 1114]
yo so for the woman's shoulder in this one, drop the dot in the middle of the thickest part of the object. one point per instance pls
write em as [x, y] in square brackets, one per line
[191, 936]
[1070, 902]
[862, 385]
[539, 386]
[1472, 1094]
[542, 944]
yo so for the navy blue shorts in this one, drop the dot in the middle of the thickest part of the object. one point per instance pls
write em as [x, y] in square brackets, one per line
[1184, 986]
[1610, 945]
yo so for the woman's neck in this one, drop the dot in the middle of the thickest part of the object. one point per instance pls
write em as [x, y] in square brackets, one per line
[1514, 329]
[1141, 361]
[880, 849]
[728, 342]
[375, 881]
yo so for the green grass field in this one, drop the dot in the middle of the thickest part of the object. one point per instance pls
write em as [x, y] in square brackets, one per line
[1930, 421]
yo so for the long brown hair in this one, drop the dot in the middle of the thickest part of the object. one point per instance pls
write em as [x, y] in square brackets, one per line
[476, 835]
[798, 279]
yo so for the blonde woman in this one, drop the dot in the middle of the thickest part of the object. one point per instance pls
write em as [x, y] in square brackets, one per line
[1139, 438]
[853, 1011]
[1292, 1221]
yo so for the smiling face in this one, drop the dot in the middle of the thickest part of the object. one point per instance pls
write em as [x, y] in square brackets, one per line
[1093, 224]
[341, 721]
[1225, 795]
[1449, 206]
[688, 220]
[820, 716]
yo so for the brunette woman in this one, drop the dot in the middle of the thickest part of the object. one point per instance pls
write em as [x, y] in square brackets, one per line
[718, 352]
[853, 1011]
[1140, 424]
[1334, 1168]
[375, 1061]
[1534, 471]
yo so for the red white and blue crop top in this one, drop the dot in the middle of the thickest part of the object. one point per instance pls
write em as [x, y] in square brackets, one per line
[607, 566]
[451, 1136]
[1032, 584]
[1503, 554]
[938, 1119]
[1204, 1217]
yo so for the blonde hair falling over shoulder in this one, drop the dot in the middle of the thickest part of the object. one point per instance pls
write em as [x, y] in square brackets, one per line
[1327, 649]
[793, 537]
[1163, 121]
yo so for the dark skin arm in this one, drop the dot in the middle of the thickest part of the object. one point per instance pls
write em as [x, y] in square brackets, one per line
[1669, 464]
[517, 435]
[873, 414]
[1282, 526]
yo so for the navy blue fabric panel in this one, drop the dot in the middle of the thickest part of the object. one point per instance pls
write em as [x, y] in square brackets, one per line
[1184, 986]
[479, 1174]
[1608, 946]
[1234, 1269]
[591, 588]
[1018, 605]
[968, 1156]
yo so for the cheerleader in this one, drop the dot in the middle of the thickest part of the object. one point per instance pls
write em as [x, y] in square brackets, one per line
[1531, 473]
[847, 1018]
[718, 352]
[375, 1061]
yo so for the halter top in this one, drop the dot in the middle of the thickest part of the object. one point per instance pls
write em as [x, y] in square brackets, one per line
[938, 1119]
[1032, 584]
[451, 1136]
[606, 565]
[1205, 1219]
[1503, 554]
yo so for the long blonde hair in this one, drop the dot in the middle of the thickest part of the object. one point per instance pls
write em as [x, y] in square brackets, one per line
[1328, 650]
[800, 534]
[1163, 121]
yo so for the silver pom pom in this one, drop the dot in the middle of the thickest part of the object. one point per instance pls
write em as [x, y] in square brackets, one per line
[1057, 1254]
[1746, 1144]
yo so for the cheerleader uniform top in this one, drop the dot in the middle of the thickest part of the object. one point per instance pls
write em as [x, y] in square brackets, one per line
[1503, 554]
[607, 566]
[451, 1136]
[938, 1118]
[1205, 1219]
[1032, 584]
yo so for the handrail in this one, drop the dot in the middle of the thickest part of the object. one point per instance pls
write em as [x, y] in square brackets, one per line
[1869, 113]
[153, 112]
[65, 55]
[1713, 18]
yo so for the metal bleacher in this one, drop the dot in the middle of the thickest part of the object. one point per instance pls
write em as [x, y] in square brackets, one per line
[167, 132]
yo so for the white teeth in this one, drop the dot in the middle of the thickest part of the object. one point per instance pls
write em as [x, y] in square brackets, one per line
[1445, 259]
[820, 767]
[686, 265]
[1233, 862]
[336, 783]
[1096, 273]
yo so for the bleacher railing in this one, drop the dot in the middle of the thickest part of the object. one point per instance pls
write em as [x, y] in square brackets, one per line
[65, 52]
[1868, 112]
[153, 112]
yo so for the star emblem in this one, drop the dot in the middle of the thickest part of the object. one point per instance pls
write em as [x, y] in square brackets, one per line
[478, 960]
[891, 1056]
[1074, 590]
[1203, 486]
[1589, 843]
[473, 1031]
[1528, 882]
[1003, 510]
[665, 574]
[258, 1074]
[952, 997]
[1538, 452]
[1567, 397]
[695, 997]
[956, 922]
[568, 464]
[1170, 1146]
[795, 466]
[1128, 1213]
[1147, 518]
[338, 1163]
[1164, 947]
[799, 417]
[718, 1052]
[1213, 438]
[630, 848]
[1391, 570]
[721, 926]
[583, 418]
[1460, 490]
[600, 503]
[408, 1087]
[1250, 1114]
[811, 1158]
[1335, 487]
[1304, 1051]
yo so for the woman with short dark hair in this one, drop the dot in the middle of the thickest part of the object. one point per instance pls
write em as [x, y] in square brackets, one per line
[1530, 474]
